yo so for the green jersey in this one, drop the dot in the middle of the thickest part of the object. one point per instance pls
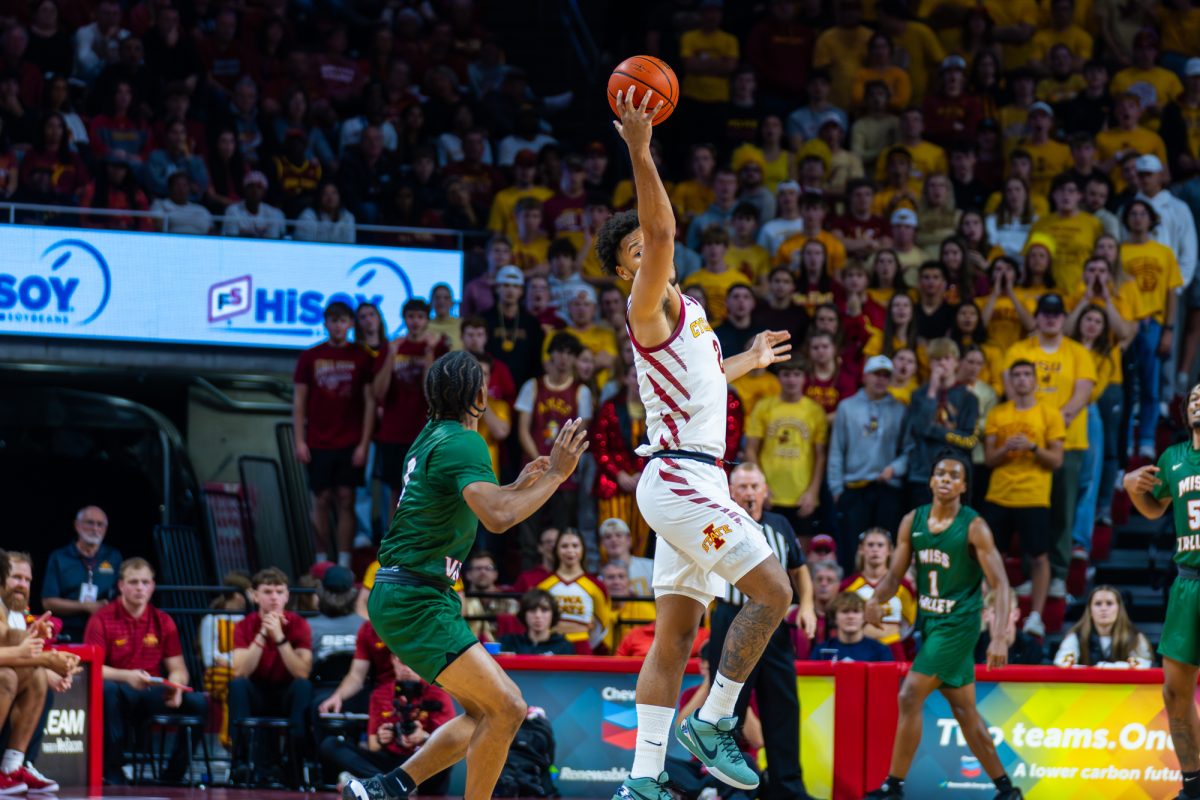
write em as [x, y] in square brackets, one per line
[948, 576]
[433, 528]
[1179, 476]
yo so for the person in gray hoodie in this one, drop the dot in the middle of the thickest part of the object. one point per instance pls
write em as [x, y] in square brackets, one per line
[866, 465]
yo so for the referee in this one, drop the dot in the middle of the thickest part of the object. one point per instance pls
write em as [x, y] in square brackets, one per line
[774, 678]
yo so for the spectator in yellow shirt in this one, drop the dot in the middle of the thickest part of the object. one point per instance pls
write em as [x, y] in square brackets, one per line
[915, 42]
[1066, 375]
[695, 195]
[786, 436]
[1074, 232]
[595, 336]
[813, 209]
[927, 157]
[1119, 300]
[531, 249]
[1015, 23]
[880, 67]
[842, 50]
[714, 277]
[744, 253]
[1126, 138]
[1050, 158]
[1023, 447]
[503, 218]
[710, 55]
[900, 188]
[1064, 31]
[1154, 85]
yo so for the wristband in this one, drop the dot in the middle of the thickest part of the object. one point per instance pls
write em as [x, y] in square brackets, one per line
[281, 642]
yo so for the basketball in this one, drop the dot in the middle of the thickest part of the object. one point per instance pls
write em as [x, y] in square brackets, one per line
[645, 73]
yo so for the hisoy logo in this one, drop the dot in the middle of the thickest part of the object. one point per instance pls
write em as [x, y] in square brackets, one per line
[70, 284]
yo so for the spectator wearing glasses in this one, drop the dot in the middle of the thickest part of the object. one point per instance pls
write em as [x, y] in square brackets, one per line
[539, 614]
[617, 542]
[81, 577]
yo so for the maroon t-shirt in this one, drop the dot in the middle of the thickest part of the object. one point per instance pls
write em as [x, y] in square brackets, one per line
[336, 378]
[369, 647]
[404, 410]
[563, 215]
[131, 642]
[872, 227]
[271, 668]
[828, 393]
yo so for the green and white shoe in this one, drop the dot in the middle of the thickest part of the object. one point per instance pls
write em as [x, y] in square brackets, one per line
[644, 789]
[716, 748]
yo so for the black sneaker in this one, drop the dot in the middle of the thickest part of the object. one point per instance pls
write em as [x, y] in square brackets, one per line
[1009, 794]
[885, 792]
[369, 789]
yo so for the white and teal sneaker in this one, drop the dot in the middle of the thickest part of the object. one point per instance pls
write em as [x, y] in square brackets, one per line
[644, 789]
[716, 748]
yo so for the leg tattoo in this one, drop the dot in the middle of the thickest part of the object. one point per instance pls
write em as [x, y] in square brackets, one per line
[748, 636]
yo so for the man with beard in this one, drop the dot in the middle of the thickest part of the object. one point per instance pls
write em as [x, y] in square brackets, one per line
[26, 671]
[80, 577]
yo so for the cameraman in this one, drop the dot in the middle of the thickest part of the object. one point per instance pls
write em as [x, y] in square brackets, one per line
[402, 715]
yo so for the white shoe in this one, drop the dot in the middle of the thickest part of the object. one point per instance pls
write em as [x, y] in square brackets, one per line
[1058, 588]
[1034, 625]
[362, 542]
[343, 779]
[1025, 589]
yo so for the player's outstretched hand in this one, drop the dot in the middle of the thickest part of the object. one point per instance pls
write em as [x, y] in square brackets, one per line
[636, 119]
[568, 447]
[533, 470]
[770, 347]
[873, 613]
[1142, 480]
[997, 653]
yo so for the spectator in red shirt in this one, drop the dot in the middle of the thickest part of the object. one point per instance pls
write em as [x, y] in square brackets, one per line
[780, 49]
[403, 713]
[140, 643]
[399, 387]
[474, 341]
[828, 382]
[861, 231]
[272, 659]
[333, 415]
[952, 114]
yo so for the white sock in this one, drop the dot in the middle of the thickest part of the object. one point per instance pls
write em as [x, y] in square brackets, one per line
[653, 733]
[13, 759]
[722, 698]
[343, 559]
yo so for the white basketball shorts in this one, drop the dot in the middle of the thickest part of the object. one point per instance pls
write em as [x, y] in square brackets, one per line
[704, 538]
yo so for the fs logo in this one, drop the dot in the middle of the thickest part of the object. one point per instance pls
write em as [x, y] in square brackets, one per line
[229, 298]
[297, 311]
[71, 284]
[714, 537]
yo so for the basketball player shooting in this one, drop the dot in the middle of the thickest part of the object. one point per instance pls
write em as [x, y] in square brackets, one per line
[704, 538]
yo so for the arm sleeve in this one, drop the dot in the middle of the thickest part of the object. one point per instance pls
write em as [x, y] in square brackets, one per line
[304, 369]
[467, 463]
[171, 644]
[526, 396]
[94, 634]
[584, 403]
[243, 633]
[834, 465]
[1055, 427]
[299, 633]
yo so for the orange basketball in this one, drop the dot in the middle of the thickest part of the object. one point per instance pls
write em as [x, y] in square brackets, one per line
[645, 73]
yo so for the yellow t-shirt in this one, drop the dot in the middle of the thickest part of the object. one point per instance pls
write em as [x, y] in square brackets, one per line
[925, 54]
[897, 81]
[1077, 40]
[504, 411]
[451, 328]
[789, 434]
[718, 44]
[752, 388]
[1005, 328]
[1020, 481]
[715, 286]
[904, 393]
[531, 255]
[1191, 121]
[1108, 370]
[1054, 91]
[842, 52]
[1074, 238]
[1038, 204]
[753, 261]
[885, 199]
[1140, 140]
[1006, 13]
[624, 194]
[1180, 30]
[834, 249]
[927, 159]
[1155, 273]
[597, 338]
[691, 198]
[1056, 376]
[1166, 84]
[1127, 300]
[503, 218]
[1083, 17]
[1049, 159]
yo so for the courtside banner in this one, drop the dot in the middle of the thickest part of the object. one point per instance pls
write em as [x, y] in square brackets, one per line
[1060, 740]
[206, 290]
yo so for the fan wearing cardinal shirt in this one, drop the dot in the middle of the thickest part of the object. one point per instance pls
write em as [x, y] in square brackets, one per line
[272, 660]
[474, 341]
[861, 231]
[333, 415]
[139, 643]
[399, 386]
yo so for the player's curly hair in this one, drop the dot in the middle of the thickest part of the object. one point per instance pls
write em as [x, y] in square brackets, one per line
[452, 384]
[608, 240]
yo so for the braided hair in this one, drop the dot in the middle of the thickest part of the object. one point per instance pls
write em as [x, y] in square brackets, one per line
[451, 385]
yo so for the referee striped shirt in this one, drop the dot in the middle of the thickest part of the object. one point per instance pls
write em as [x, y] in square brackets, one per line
[782, 541]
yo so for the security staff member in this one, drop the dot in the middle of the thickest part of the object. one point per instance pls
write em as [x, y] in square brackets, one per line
[81, 576]
[774, 678]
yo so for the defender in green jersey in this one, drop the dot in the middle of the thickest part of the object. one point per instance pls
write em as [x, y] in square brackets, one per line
[1175, 480]
[449, 487]
[952, 549]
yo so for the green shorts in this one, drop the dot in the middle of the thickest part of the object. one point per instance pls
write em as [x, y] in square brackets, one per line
[1180, 638]
[422, 625]
[948, 651]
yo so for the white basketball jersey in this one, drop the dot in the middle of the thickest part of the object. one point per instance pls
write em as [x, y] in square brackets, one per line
[682, 384]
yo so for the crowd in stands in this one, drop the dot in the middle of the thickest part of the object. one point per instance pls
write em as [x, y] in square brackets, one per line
[978, 220]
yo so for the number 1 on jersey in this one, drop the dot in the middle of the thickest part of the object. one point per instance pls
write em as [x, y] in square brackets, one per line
[933, 590]
[408, 471]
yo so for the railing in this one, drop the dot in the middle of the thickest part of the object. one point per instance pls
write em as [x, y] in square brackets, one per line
[439, 238]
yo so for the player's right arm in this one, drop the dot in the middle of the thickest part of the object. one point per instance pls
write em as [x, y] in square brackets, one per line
[886, 589]
[501, 507]
[1140, 485]
[651, 293]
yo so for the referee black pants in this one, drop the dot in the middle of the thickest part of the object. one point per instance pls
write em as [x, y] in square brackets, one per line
[774, 681]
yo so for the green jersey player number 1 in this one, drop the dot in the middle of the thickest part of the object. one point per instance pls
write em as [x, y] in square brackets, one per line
[449, 488]
[1175, 481]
